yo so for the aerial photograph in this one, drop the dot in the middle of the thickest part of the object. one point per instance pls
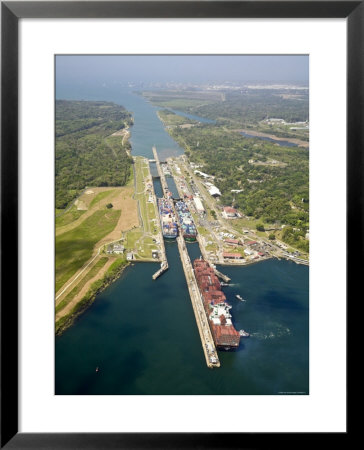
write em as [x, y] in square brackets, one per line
[181, 225]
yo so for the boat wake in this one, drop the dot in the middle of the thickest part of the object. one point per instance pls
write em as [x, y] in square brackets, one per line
[280, 332]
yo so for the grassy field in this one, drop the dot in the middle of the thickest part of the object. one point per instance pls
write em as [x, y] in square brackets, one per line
[69, 217]
[100, 196]
[132, 237]
[76, 246]
[147, 210]
[90, 274]
[211, 248]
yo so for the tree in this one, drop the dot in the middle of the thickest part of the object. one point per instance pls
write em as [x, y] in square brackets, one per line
[272, 237]
[109, 205]
[260, 227]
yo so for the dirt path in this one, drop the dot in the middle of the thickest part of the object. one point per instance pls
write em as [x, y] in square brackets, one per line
[68, 308]
[124, 133]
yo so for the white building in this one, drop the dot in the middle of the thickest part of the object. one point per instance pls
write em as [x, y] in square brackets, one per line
[204, 175]
[230, 213]
[199, 205]
[118, 248]
[214, 191]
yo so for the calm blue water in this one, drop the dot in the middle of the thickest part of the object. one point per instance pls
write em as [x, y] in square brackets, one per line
[281, 143]
[147, 131]
[142, 333]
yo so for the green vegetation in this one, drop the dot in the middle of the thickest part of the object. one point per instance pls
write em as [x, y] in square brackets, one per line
[68, 217]
[146, 209]
[296, 238]
[181, 100]
[269, 193]
[75, 247]
[109, 205]
[90, 274]
[242, 108]
[260, 227]
[112, 273]
[100, 196]
[132, 237]
[86, 153]
[169, 118]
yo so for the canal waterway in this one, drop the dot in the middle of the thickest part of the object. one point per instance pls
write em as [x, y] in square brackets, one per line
[142, 333]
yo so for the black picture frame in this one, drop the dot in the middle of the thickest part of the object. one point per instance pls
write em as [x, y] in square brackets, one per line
[11, 12]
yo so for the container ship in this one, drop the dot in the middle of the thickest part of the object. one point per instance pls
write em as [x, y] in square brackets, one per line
[188, 228]
[216, 308]
[167, 218]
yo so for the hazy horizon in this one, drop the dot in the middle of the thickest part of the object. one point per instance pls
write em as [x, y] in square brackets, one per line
[183, 68]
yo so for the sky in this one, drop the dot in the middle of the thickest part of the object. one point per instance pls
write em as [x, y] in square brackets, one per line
[184, 68]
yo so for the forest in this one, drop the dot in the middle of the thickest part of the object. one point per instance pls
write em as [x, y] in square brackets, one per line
[86, 153]
[273, 181]
[244, 108]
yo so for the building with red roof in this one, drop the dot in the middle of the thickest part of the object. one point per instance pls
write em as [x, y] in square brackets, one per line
[230, 213]
[232, 255]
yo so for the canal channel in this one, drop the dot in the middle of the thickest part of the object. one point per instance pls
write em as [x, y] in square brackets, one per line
[142, 333]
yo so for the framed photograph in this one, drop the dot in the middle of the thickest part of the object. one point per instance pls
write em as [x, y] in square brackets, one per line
[180, 183]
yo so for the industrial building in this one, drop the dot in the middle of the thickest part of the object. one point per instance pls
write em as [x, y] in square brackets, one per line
[199, 205]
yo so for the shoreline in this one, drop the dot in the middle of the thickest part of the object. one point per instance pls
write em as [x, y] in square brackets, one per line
[88, 299]
[100, 282]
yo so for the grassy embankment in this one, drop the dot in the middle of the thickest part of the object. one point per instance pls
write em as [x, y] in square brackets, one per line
[75, 247]
[90, 274]
[111, 274]
[141, 240]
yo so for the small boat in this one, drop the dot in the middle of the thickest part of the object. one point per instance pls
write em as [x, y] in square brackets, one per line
[239, 297]
[244, 333]
[97, 369]
[224, 284]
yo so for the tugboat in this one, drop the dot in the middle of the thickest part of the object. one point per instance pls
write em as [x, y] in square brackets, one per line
[244, 333]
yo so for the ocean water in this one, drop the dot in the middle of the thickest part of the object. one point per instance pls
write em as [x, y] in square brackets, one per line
[142, 333]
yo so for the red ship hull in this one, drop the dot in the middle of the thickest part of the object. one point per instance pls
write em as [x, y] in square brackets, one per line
[223, 331]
